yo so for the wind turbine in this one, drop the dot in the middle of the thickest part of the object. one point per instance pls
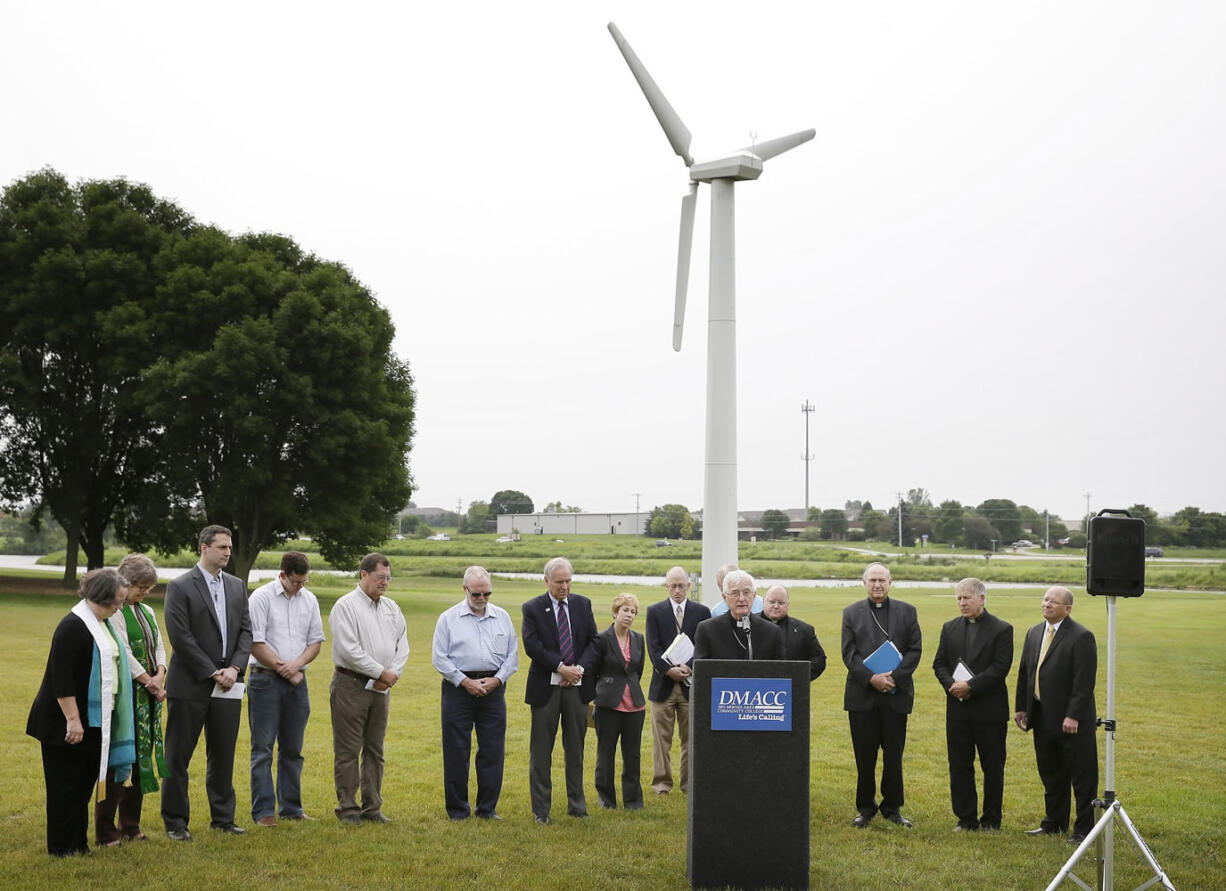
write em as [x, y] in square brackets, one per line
[721, 173]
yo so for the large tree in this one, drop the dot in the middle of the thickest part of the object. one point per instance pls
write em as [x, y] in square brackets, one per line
[947, 523]
[775, 523]
[80, 270]
[1005, 516]
[286, 407]
[833, 524]
[670, 521]
[510, 501]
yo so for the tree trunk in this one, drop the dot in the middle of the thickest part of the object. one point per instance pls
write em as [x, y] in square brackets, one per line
[73, 528]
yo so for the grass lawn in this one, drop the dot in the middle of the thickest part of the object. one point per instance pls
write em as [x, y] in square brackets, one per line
[1169, 774]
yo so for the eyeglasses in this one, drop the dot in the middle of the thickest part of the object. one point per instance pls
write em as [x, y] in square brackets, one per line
[480, 593]
[145, 589]
[678, 586]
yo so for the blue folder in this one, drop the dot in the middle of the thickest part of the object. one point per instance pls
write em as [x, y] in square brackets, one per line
[885, 658]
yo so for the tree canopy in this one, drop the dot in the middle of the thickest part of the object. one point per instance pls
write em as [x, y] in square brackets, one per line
[775, 523]
[670, 521]
[509, 501]
[212, 378]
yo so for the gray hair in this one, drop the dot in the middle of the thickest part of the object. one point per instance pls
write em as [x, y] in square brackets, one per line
[555, 564]
[721, 573]
[871, 565]
[738, 575]
[101, 586]
[475, 574]
[138, 570]
[973, 585]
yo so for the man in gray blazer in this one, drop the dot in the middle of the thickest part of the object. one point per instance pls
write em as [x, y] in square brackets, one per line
[208, 626]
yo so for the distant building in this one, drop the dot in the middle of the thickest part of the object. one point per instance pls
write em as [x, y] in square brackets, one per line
[573, 524]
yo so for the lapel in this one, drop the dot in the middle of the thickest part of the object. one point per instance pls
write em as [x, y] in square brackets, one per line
[202, 591]
[549, 626]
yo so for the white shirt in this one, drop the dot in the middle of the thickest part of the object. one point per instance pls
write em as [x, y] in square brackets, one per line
[368, 635]
[286, 624]
[464, 641]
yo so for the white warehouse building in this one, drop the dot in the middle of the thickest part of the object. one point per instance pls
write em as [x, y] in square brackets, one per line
[573, 524]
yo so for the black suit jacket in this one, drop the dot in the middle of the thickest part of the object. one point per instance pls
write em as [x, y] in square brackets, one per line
[612, 672]
[861, 636]
[661, 631]
[800, 644]
[193, 632]
[67, 674]
[989, 659]
[1066, 678]
[539, 633]
[718, 638]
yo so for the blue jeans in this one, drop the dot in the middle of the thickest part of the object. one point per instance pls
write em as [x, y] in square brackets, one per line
[277, 712]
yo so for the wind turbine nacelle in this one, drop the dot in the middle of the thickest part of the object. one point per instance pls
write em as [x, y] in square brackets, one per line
[737, 166]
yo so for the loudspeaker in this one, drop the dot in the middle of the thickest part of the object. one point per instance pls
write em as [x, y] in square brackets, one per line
[1115, 555]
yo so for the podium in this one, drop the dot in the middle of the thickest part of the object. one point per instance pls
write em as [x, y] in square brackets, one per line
[749, 775]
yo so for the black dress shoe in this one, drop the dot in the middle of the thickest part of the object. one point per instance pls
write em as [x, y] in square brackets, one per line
[1040, 830]
[178, 834]
[900, 820]
[965, 827]
[543, 819]
[861, 821]
[377, 817]
[488, 817]
[229, 828]
[1076, 839]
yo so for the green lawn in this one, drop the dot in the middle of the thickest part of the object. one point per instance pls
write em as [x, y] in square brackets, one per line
[1170, 775]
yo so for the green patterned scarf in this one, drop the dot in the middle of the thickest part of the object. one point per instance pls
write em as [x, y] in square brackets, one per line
[143, 641]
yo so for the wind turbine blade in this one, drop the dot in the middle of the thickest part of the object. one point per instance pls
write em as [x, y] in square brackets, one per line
[772, 147]
[677, 133]
[684, 242]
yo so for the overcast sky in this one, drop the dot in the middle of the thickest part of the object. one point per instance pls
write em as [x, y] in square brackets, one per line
[997, 272]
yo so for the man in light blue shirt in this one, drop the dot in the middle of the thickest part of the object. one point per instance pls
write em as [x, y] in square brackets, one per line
[476, 651]
[286, 633]
[722, 607]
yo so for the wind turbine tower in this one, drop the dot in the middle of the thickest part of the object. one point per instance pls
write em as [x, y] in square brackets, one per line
[721, 174]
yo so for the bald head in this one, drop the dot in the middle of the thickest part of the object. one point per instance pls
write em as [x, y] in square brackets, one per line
[677, 581]
[775, 603]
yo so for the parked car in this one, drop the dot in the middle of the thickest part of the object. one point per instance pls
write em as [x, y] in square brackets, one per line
[1023, 543]
[1153, 552]
[438, 536]
[663, 543]
[503, 539]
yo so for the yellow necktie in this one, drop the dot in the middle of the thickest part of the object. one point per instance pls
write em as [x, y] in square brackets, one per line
[1051, 632]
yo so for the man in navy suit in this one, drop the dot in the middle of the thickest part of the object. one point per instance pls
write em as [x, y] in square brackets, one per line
[877, 704]
[1055, 699]
[670, 690]
[559, 635]
[209, 628]
[976, 704]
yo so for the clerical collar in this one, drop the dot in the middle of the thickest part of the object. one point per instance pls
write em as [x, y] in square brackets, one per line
[972, 621]
[880, 605]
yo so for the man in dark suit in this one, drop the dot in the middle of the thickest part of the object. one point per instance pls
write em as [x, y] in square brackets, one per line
[877, 703]
[738, 633]
[559, 635]
[1055, 699]
[670, 690]
[210, 631]
[973, 659]
[800, 641]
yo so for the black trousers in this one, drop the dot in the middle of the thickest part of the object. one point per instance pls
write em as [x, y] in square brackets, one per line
[564, 707]
[185, 718]
[880, 728]
[462, 713]
[612, 726]
[69, 773]
[963, 737]
[1066, 760]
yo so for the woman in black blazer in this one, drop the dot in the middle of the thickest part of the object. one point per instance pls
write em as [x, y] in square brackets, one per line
[620, 704]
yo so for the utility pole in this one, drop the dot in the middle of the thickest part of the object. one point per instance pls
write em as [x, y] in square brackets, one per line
[1046, 531]
[807, 409]
[1086, 525]
[638, 530]
[900, 519]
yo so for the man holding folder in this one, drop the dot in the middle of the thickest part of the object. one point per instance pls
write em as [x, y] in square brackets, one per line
[881, 649]
[972, 662]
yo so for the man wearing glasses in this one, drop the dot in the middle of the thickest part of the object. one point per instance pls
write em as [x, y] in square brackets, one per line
[370, 646]
[670, 690]
[476, 651]
[878, 702]
[738, 634]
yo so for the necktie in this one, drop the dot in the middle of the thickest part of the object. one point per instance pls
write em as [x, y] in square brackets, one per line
[678, 609]
[565, 644]
[1042, 655]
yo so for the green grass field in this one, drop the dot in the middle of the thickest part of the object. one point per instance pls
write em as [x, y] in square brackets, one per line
[1169, 774]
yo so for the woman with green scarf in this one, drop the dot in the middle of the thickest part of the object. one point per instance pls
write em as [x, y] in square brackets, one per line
[137, 628]
[79, 715]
